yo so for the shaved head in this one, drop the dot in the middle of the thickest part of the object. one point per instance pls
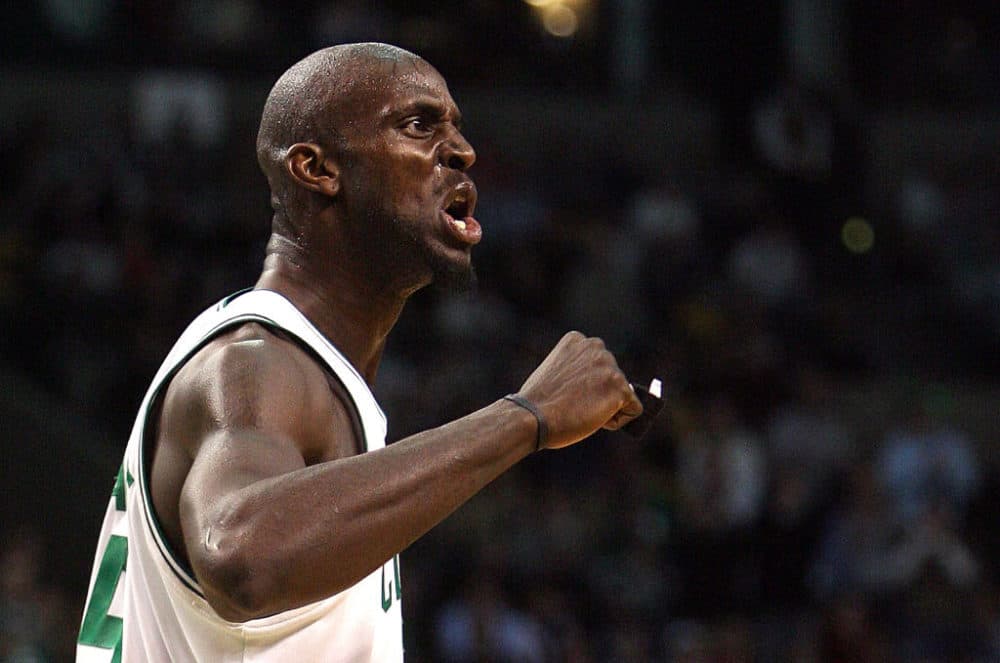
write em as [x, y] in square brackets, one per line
[362, 147]
[311, 102]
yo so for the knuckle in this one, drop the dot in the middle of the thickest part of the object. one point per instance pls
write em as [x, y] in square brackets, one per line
[610, 380]
[615, 382]
[607, 361]
[620, 382]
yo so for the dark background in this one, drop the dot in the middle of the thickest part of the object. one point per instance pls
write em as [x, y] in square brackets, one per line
[786, 210]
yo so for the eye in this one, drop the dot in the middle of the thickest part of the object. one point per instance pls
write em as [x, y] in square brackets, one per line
[418, 127]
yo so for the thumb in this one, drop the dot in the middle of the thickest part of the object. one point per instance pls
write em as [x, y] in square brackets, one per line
[629, 411]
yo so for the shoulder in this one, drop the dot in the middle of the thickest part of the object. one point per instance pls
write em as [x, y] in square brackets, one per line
[252, 365]
[253, 377]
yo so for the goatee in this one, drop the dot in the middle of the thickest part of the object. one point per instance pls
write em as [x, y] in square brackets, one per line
[452, 277]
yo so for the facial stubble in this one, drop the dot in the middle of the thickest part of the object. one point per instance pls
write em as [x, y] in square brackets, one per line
[408, 245]
[448, 274]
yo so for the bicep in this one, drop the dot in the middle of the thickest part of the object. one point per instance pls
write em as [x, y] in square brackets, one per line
[229, 463]
[250, 414]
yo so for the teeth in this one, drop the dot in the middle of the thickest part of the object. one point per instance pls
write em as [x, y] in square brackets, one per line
[459, 224]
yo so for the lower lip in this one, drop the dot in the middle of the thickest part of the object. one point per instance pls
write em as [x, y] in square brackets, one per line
[470, 235]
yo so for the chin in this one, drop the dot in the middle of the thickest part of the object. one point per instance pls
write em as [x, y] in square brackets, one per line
[431, 261]
[453, 276]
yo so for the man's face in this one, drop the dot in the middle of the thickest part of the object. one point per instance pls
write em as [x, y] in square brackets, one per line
[403, 176]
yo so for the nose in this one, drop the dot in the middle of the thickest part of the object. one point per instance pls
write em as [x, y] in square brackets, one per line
[457, 153]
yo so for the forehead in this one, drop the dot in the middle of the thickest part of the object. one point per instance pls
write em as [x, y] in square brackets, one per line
[388, 87]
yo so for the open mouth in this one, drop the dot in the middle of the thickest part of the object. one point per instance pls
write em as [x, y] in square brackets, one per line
[461, 204]
[457, 211]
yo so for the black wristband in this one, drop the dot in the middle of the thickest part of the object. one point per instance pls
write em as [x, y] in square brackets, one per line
[542, 436]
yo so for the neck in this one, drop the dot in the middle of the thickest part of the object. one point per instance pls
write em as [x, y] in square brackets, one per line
[353, 314]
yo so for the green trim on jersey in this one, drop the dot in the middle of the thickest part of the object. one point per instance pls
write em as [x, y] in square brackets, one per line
[225, 302]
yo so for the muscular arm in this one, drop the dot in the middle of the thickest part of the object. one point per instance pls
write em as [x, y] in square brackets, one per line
[276, 512]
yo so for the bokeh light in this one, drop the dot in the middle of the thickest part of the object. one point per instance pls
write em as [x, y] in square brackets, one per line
[561, 18]
[857, 235]
[560, 21]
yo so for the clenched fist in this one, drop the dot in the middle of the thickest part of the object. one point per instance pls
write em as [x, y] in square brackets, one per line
[578, 389]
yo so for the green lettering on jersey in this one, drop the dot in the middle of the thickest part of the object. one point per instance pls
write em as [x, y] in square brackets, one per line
[118, 492]
[393, 586]
[99, 628]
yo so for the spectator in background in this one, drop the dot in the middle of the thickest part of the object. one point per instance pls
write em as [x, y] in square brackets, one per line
[481, 626]
[925, 463]
[855, 540]
[673, 260]
[722, 479]
[849, 631]
[806, 433]
[930, 575]
[794, 134]
[35, 620]
[810, 450]
[722, 471]
[348, 20]
[866, 550]
[607, 270]
[770, 266]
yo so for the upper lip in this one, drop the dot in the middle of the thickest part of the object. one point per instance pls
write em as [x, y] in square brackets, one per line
[461, 200]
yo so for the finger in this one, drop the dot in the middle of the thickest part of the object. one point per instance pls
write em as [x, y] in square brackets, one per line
[618, 420]
[629, 411]
[652, 404]
[633, 406]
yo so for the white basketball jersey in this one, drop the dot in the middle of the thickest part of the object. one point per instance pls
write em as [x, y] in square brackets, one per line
[144, 606]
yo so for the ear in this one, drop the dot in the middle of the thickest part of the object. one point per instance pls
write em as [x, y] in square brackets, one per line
[311, 168]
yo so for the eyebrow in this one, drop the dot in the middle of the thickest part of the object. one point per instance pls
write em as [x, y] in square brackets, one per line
[429, 108]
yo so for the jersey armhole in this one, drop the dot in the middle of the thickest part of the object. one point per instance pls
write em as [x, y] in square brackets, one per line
[337, 386]
[177, 563]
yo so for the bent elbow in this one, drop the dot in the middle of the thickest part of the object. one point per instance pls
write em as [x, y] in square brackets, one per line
[237, 585]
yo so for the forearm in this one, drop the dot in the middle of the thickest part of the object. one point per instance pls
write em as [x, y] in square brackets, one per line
[286, 541]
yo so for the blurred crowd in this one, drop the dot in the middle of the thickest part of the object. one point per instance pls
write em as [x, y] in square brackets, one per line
[781, 508]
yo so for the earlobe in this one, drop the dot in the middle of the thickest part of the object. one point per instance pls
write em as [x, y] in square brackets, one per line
[310, 167]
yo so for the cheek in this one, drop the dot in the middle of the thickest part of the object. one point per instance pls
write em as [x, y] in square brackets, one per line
[402, 181]
[413, 185]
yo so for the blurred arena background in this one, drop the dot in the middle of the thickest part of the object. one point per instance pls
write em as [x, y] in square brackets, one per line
[786, 209]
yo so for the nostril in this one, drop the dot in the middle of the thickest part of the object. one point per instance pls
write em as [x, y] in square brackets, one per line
[457, 162]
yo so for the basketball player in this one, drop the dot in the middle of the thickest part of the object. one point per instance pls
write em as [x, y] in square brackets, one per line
[258, 514]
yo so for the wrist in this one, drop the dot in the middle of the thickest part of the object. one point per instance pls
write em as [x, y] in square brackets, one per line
[541, 425]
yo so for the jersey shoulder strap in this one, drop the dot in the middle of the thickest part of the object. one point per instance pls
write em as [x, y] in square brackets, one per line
[273, 309]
